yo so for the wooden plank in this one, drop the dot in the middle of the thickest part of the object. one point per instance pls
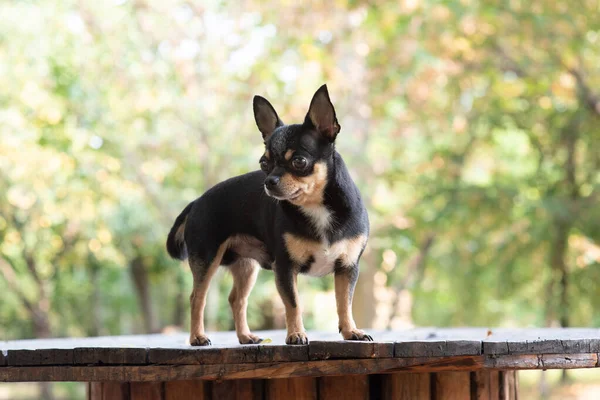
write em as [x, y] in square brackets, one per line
[404, 386]
[238, 389]
[204, 355]
[109, 356]
[481, 385]
[443, 348]
[292, 388]
[494, 385]
[281, 353]
[547, 346]
[542, 341]
[189, 390]
[340, 387]
[452, 385]
[25, 357]
[115, 391]
[146, 390]
[238, 371]
[95, 390]
[507, 385]
[3, 359]
[546, 361]
[224, 390]
[318, 350]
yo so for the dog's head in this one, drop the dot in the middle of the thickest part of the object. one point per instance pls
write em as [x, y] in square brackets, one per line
[296, 156]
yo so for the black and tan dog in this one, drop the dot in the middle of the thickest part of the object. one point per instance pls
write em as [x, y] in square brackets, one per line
[301, 213]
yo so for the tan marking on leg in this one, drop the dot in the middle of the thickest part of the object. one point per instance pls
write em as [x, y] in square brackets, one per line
[267, 154]
[289, 154]
[198, 298]
[293, 316]
[343, 300]
[244, 272]
[344, 303]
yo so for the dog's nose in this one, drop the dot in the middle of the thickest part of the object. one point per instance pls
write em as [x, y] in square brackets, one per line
[271, 182]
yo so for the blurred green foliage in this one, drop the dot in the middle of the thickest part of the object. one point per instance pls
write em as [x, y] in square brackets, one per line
[470, 126]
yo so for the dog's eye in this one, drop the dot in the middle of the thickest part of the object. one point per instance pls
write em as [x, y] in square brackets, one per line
[299, 163]
[264, 165]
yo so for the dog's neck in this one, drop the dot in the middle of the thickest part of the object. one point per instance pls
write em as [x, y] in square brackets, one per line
[341, 199]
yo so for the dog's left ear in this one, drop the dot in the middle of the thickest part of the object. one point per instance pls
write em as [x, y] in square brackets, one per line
[321, 115]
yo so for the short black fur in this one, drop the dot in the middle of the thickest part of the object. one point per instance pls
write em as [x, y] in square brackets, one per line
[243, 207]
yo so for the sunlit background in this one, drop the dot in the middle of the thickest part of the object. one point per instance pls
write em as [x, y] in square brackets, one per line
[471, 127]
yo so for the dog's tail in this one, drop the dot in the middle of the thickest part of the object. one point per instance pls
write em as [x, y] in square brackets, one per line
[176, 241]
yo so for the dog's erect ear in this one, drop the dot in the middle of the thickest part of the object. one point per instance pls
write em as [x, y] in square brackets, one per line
[265, 116]
[321, 115]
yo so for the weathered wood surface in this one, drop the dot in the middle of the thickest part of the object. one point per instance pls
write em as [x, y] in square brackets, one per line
[480, 385]
[169, 357]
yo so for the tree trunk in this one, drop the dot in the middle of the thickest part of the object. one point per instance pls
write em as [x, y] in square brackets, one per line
[180, 301]
[364, 302]
[41, 328]
[96, 326]
[139, 274]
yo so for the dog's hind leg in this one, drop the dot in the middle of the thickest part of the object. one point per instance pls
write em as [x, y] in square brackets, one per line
[202, 272]
[244, 271]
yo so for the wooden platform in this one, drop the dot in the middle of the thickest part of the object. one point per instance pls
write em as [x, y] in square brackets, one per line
[470, 358]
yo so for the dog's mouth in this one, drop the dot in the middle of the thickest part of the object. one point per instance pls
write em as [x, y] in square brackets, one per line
[290, 197]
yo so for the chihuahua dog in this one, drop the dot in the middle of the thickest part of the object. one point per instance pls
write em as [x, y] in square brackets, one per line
[300, 214]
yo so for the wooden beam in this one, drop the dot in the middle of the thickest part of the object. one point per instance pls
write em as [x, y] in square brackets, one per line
[237, 371]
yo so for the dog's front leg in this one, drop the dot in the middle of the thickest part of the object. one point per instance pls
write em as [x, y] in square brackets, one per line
[286, 279]
[345, 282]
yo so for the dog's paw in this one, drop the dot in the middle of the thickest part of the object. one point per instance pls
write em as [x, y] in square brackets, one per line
[297, 338]
[249, 338]
[356, 334]
[199, 340]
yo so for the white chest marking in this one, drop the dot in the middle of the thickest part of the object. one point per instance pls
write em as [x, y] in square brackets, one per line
[323, 254]
[320, 218]
[325, 257]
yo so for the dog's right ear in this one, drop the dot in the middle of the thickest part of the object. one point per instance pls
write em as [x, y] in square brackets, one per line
[266, 117]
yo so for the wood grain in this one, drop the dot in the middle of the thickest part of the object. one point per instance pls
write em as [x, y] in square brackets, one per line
[444, 348]
[494, 385]
[341, 387]
[318, 350]
[481, 385]
[293, 388]
[239, 371]
[507, 385]
[114, 391]
[189, 390]
[109, 356]
[94, 390]
[146, 390]
[452, 385]
[403, 386]
[240, 389]
[544, 361]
